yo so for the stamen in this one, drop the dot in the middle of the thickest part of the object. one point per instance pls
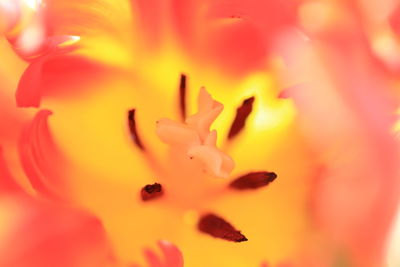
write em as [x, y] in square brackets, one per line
[217, 227]
[241, 115]
[151, 191]
[182, 96]
[253, 180]
[133, 129]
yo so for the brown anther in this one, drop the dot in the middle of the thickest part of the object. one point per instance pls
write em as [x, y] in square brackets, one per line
[217, 227]
[182, 96]
[133, 129]
[253, 180]
[241, 116]
[151, 191]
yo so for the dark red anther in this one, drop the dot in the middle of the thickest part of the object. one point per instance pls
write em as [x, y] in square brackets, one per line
[133, 129]
[151, 191]
[182, 96]
[253, 180]
[217, 227]
[241, 116]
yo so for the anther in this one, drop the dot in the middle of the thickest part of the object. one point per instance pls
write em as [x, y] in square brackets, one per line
[151, 191]
[133, 129]
[217, 227]
[182, 96]
[253, 180]
[241, 116]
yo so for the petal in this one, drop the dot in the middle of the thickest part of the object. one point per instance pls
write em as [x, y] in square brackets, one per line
[235, 46]
[395, 20]
[9, 15]
[57, 75]
[52, 236]
[359, 180]
[152, 258]
[102, 25]
[270, 15]
[102, 16]
[7, 182]
[41, 159]
[150, 15]
[28, 93]
[173, 256]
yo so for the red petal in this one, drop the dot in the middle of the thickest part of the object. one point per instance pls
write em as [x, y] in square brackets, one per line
[150, 13]
[183, 18]
[395, 20]
[172, 257]
[56, 75]
[152, 258]
[7, 182]
[236, 46]
[29, 88]
[43, 235]
[270, 16]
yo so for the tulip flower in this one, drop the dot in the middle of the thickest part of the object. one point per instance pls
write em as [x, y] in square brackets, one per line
[177, 133]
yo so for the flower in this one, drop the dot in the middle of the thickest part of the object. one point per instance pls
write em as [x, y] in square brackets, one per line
[306, 95]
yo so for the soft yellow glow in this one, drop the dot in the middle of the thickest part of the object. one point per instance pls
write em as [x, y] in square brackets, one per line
[191, 218]
[270, 112]
[386, 45]
[396, 127]
[9, 214]
[107, 50]
[393, 256]
[33, 4]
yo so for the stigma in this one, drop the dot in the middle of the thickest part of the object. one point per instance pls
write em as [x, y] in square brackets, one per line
[195, 141]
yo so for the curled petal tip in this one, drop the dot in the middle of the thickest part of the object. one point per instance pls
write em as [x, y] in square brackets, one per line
[40, 157]
[172, 256]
